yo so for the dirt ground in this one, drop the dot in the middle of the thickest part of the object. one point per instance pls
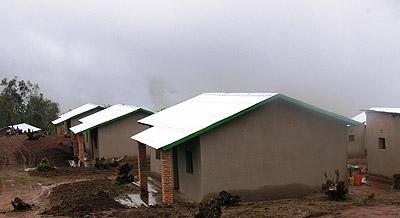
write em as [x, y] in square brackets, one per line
[79, 192]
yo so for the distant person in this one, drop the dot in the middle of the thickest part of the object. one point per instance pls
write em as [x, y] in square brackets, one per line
[18, 131]
[8, 132]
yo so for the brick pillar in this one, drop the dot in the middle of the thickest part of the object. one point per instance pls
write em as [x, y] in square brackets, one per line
[142, 169]
[81, 149]
[167, 180]
[57, 129]
[75, 144]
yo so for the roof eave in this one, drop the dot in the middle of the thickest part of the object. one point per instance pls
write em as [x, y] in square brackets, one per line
[115, 119]
[241, 113]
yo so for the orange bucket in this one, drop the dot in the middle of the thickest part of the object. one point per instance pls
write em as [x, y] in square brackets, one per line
[357, 179]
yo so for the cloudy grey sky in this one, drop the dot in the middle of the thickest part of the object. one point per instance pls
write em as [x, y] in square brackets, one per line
[340, 55]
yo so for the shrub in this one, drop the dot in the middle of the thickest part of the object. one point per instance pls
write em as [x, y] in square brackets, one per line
[208, 209]
[228, 200]
[212, 208]
[45, 165]
[335, 189]
[124, 174]
[101, 163]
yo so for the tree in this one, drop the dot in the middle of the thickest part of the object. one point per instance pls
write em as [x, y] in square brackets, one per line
[22, 101]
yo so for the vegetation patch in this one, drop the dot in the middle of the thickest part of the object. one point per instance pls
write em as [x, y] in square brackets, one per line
[45, 165]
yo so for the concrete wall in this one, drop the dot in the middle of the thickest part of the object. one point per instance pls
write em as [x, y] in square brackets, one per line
[114, 138]
[383, 162]
[279, 150]
[190, 183]
[356, 148]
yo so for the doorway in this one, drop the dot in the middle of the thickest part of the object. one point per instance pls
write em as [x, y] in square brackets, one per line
[176, 168]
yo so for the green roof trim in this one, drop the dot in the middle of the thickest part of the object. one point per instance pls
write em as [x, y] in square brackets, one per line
[245, 111]
[116, 119]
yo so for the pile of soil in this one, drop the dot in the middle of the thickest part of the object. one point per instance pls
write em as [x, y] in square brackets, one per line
[83, 198]
[73, 171]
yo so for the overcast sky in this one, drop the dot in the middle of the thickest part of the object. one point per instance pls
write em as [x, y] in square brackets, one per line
[340, 55]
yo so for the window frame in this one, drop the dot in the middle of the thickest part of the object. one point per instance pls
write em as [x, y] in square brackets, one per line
[189, 162]
[381, 143]
[351, 138]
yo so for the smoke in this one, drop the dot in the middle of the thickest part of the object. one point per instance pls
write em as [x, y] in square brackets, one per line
[159, 93]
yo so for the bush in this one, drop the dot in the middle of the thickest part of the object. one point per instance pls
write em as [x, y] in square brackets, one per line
[228, 200]
[124, 174]
[335, 189]
[101, 163]
[45, 165]
[212, 208]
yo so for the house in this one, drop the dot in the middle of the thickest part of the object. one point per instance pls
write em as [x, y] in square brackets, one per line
[382, 141]
[257, 145]
[356, 138]
[65, 121]
[106, 133]
[26, 127]
[22, 126]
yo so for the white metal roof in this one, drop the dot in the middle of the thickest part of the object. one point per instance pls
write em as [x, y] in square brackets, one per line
[362, 117]
[103, 116]
[188, 117]
[24, 127]
[386, 110]
[75, 112]
[204, 112]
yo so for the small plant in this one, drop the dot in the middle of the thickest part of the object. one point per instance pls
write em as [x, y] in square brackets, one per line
[101, 163]
[124, 174]
[212, 208]
[45, 165]
[335, 189]
[226, 199]
[208, 209]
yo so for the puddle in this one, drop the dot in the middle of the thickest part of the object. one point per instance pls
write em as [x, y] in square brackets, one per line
[135, 200]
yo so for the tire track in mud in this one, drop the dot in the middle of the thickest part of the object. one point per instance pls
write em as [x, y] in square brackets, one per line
[29, 156]
[12, 156]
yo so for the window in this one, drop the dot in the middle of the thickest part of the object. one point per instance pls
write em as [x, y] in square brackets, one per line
[382, 143]
[158, 154]
[189, 162]
[351, 138]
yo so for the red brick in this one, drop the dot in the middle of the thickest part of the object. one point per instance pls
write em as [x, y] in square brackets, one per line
[167, 180]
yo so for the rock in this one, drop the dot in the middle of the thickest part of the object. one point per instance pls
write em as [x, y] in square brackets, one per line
[20, 205]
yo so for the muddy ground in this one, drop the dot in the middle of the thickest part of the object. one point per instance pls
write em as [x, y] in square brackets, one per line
[77, 192]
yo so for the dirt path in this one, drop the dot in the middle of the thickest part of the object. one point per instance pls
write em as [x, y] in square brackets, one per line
[17, 154]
